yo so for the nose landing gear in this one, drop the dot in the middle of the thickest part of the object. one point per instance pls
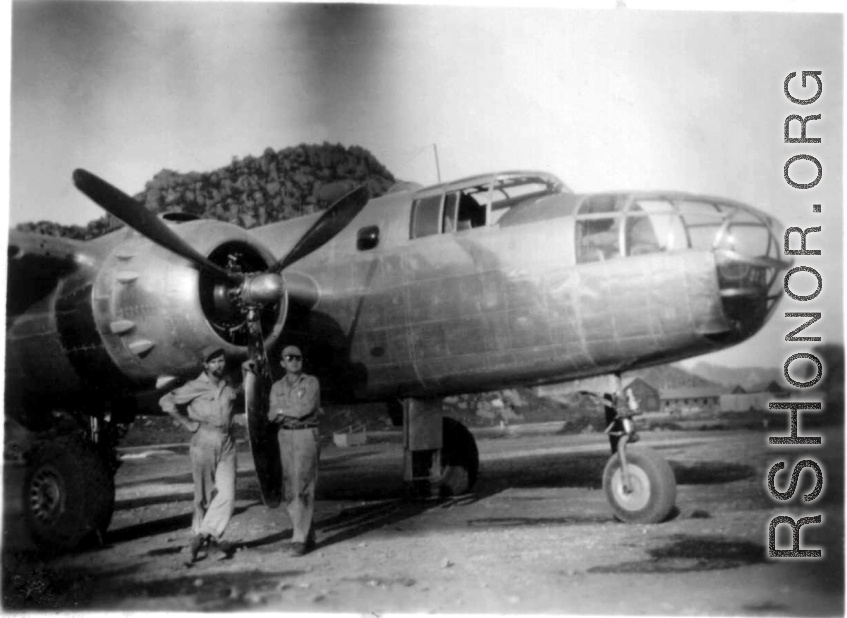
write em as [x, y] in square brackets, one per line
[637, 481]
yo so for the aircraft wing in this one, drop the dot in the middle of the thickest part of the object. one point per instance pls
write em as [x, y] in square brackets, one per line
[36, 262]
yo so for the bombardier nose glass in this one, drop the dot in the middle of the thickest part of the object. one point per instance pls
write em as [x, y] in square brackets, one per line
[743, 240]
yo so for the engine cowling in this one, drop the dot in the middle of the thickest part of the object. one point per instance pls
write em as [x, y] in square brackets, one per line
[155, 311]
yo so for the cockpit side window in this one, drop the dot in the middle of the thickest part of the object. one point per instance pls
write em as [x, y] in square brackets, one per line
[598, 239]
[598, 228]
[458, 211]
[654, 225]
[426, 216]
[600, 204]
[471, 212]
[478, 202]
[451, 203]
[640, 232]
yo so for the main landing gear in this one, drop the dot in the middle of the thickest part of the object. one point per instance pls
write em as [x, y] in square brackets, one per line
[66, 483]
[441, 460]
[440, 457]
[69, 493]
[637, 481]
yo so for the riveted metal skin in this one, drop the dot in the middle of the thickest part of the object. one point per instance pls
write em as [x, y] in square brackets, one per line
[514, 303]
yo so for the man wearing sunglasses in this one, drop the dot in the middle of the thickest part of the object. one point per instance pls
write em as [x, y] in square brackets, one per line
[294, 407]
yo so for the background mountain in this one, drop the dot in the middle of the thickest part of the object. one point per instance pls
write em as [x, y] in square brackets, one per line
[672, 376]
[748, 377]
[831, 382]
[251, 191]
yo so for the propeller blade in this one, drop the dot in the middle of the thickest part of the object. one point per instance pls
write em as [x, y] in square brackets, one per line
[116, 202]
[333, 220]
[262, 432]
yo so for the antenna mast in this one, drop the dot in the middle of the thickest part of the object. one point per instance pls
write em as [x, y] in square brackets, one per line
[437, 168]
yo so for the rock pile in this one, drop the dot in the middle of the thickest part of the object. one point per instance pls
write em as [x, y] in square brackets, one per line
[251, 191]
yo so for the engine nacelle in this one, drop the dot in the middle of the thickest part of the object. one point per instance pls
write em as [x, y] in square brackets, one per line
[155, 311]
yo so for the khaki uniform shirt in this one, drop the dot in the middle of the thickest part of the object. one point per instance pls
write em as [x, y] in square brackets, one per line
[298, 400]
[209, 404]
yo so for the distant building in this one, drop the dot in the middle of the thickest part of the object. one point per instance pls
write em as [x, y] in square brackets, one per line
[757, 398]
[691, 400]
[774, 388]
[738, 390]
[646, 395]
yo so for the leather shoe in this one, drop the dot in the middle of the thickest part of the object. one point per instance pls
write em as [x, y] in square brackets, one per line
[226, 549]
[297, 549]
[302, 548]
[196, 544]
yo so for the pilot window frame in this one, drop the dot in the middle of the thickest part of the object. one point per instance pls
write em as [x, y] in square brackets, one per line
[448, 219]
[417, 205]
[476, 202]
[450, 202]
[516, 189]
[590, 246]
[673, 234]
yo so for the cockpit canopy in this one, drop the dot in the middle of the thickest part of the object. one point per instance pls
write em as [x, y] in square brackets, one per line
[478, 201]
[621, 224]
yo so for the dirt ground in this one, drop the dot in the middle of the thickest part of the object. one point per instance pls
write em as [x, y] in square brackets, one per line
[537, 537]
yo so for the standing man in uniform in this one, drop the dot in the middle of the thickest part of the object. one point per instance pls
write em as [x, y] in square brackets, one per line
[204, 406]
[294, 407]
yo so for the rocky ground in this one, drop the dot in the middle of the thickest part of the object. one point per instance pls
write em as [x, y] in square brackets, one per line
[537, 537]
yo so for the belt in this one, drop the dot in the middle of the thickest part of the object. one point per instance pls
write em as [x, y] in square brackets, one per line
[205, 425]
[308, 422]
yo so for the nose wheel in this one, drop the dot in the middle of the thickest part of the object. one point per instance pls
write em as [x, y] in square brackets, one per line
[637, 481]
[643, 489]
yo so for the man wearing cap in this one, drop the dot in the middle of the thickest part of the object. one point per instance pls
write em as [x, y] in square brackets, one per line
[294, 407]
[204, 406]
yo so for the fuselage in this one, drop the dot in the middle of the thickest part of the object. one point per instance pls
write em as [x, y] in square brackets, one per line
[487, 282]
[556, 286]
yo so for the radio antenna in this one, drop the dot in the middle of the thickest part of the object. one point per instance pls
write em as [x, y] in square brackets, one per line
[437, 168]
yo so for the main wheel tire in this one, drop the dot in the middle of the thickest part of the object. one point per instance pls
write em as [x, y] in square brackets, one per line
[652, 491]
[459, 459]
[69, 493]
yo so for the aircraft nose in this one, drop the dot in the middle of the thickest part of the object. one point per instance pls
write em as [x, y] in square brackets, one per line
[748, 258]
[745, 245]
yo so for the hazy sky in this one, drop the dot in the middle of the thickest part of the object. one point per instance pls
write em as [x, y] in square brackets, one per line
[611, 99]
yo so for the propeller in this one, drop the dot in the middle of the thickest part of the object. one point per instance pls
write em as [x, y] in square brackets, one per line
[255, 288]
[250, 293]
[117, 203]
[332, 221]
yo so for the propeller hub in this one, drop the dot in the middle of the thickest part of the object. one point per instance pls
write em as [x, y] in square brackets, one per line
[262, 289]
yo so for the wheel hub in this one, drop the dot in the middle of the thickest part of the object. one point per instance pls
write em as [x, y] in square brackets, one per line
[46, 493]
[637, 495]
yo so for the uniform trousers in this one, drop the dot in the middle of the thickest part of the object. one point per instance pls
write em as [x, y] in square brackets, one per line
[213, 467]
[300, 451]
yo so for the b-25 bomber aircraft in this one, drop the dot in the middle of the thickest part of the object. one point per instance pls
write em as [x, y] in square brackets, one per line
[488, 282]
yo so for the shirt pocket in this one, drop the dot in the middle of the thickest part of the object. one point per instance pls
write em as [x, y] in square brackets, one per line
[205, 408]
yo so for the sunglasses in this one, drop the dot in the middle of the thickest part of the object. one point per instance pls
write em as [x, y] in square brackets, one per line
[293, 357]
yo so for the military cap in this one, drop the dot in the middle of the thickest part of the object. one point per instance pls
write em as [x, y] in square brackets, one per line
[210, 351]
[290, 349]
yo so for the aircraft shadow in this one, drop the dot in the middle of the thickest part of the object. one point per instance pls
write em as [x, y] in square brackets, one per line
[247, 489]
[181, 522]
[360, 520]
[379, 482]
